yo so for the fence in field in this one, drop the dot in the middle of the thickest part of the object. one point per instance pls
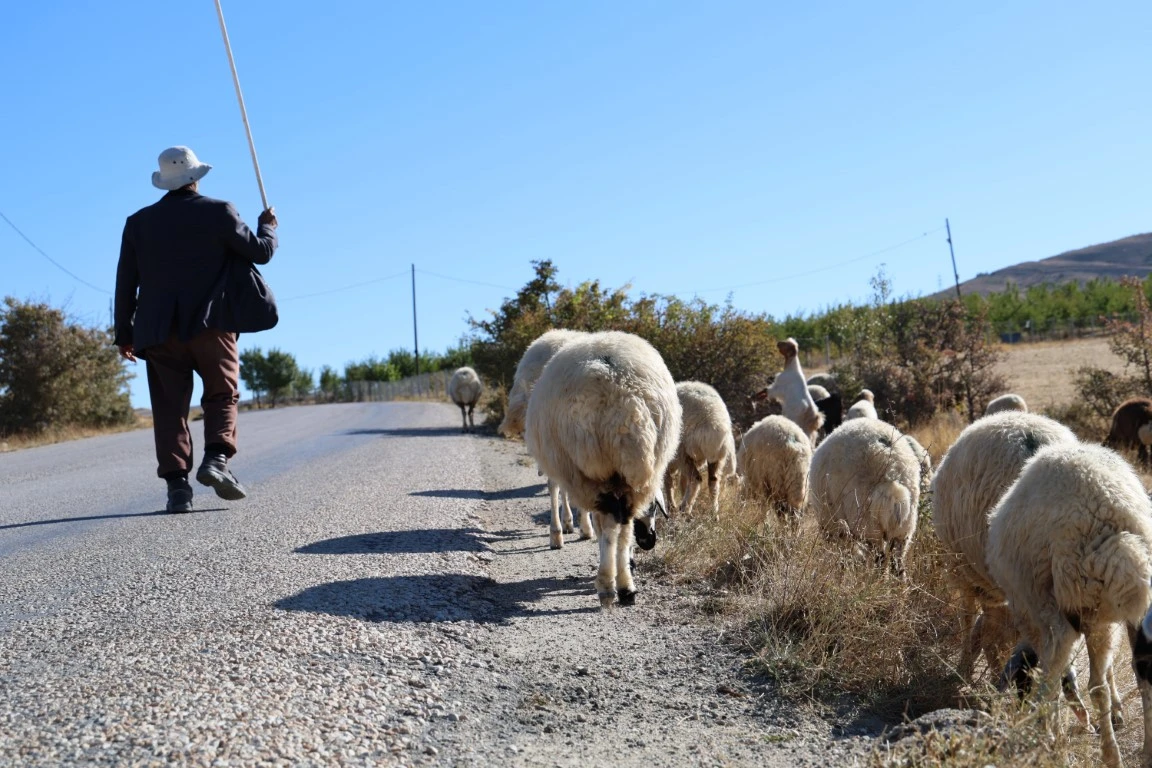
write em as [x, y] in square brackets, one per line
[426, 386]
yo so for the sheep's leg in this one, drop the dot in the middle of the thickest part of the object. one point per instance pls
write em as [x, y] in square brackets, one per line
[566, 518]
[669, 480]
[555, 536]
[1055, 657]
[606, 575]
[1099, 660]
[586, 529]
[464, 416]
[1117, 701]
[972, 630]
[714, 468]
[626, 587]
[894, 553]
[690, 475]
[471, 420]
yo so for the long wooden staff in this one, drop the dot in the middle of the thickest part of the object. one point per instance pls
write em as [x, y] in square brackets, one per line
[240, 98]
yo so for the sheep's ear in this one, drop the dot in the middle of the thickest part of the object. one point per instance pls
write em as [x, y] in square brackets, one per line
[660, 506]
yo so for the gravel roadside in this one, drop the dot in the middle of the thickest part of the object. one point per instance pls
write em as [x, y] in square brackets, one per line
[387, 596]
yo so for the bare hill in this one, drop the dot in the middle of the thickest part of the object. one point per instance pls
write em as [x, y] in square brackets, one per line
[1127, 256]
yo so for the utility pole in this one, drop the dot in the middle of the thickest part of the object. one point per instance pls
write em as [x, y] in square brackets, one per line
[955, 274]
[415, 338]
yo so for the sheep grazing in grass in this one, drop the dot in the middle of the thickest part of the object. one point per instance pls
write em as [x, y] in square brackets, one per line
[465, 389]
[706, 441]
[979, 467]
[528, 371]
[604, 421]
[1070, 544]
[790, 388]
[865, 483]
[1132, 428]
[864, 407]
[1006, 403]
[773, 461]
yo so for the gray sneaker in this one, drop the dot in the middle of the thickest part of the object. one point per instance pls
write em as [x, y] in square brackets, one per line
[179, 495]
[215, 474]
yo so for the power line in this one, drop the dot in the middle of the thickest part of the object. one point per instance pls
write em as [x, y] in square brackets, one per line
[55, 263]
[816, 271]
[347, 287]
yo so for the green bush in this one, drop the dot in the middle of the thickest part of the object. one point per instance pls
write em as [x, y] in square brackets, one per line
[55, 372]
[734, 351]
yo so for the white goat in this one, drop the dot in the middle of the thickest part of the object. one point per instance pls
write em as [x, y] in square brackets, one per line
[791, 389]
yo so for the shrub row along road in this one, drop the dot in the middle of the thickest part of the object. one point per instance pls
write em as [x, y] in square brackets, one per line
[385, 596]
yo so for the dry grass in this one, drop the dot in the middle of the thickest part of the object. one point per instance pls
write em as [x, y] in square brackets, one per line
[822, 622]
[820, 619]
[1042, 372]
[64, 434]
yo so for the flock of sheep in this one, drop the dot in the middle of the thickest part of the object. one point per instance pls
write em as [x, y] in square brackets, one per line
[1050, 539]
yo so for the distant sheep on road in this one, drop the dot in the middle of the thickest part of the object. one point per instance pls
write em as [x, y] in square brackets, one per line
[465, 389]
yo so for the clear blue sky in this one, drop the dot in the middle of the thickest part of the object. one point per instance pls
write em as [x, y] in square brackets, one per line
[677, 146]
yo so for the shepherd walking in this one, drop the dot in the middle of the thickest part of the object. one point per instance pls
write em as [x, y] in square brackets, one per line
[174, 259]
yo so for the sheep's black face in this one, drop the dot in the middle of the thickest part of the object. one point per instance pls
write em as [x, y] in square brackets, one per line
[644, 531]
[1018, 671]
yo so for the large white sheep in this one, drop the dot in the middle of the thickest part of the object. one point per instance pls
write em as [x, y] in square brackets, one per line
[773, 461]
[464, 388]
[863, 408]
[528, 371]
[705, 441]
[790, 388]
[865, 482]
[604, 421]
[1006, 403]
[979, 467]
[1070, 544]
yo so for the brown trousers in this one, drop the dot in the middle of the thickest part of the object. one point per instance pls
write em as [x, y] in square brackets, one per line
[214, 356]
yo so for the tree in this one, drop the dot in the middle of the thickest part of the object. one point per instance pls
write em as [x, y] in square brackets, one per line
[56, 372]
[330, 383]
[253, 372]
[371, 369]
[280, 373]
[1132, 341]
[304, 384]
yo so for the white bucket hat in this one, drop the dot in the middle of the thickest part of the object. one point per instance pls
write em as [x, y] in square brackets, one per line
[178, 167]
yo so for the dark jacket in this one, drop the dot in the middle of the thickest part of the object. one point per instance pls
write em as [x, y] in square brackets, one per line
[173, 253]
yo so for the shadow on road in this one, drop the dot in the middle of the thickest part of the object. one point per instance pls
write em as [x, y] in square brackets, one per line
[437, 598]
[401, 542]
[419, 432]
[524, 492]
[420, 541]
[157, 513]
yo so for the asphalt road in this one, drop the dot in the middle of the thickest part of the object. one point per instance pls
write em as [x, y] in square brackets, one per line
[385, 595]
